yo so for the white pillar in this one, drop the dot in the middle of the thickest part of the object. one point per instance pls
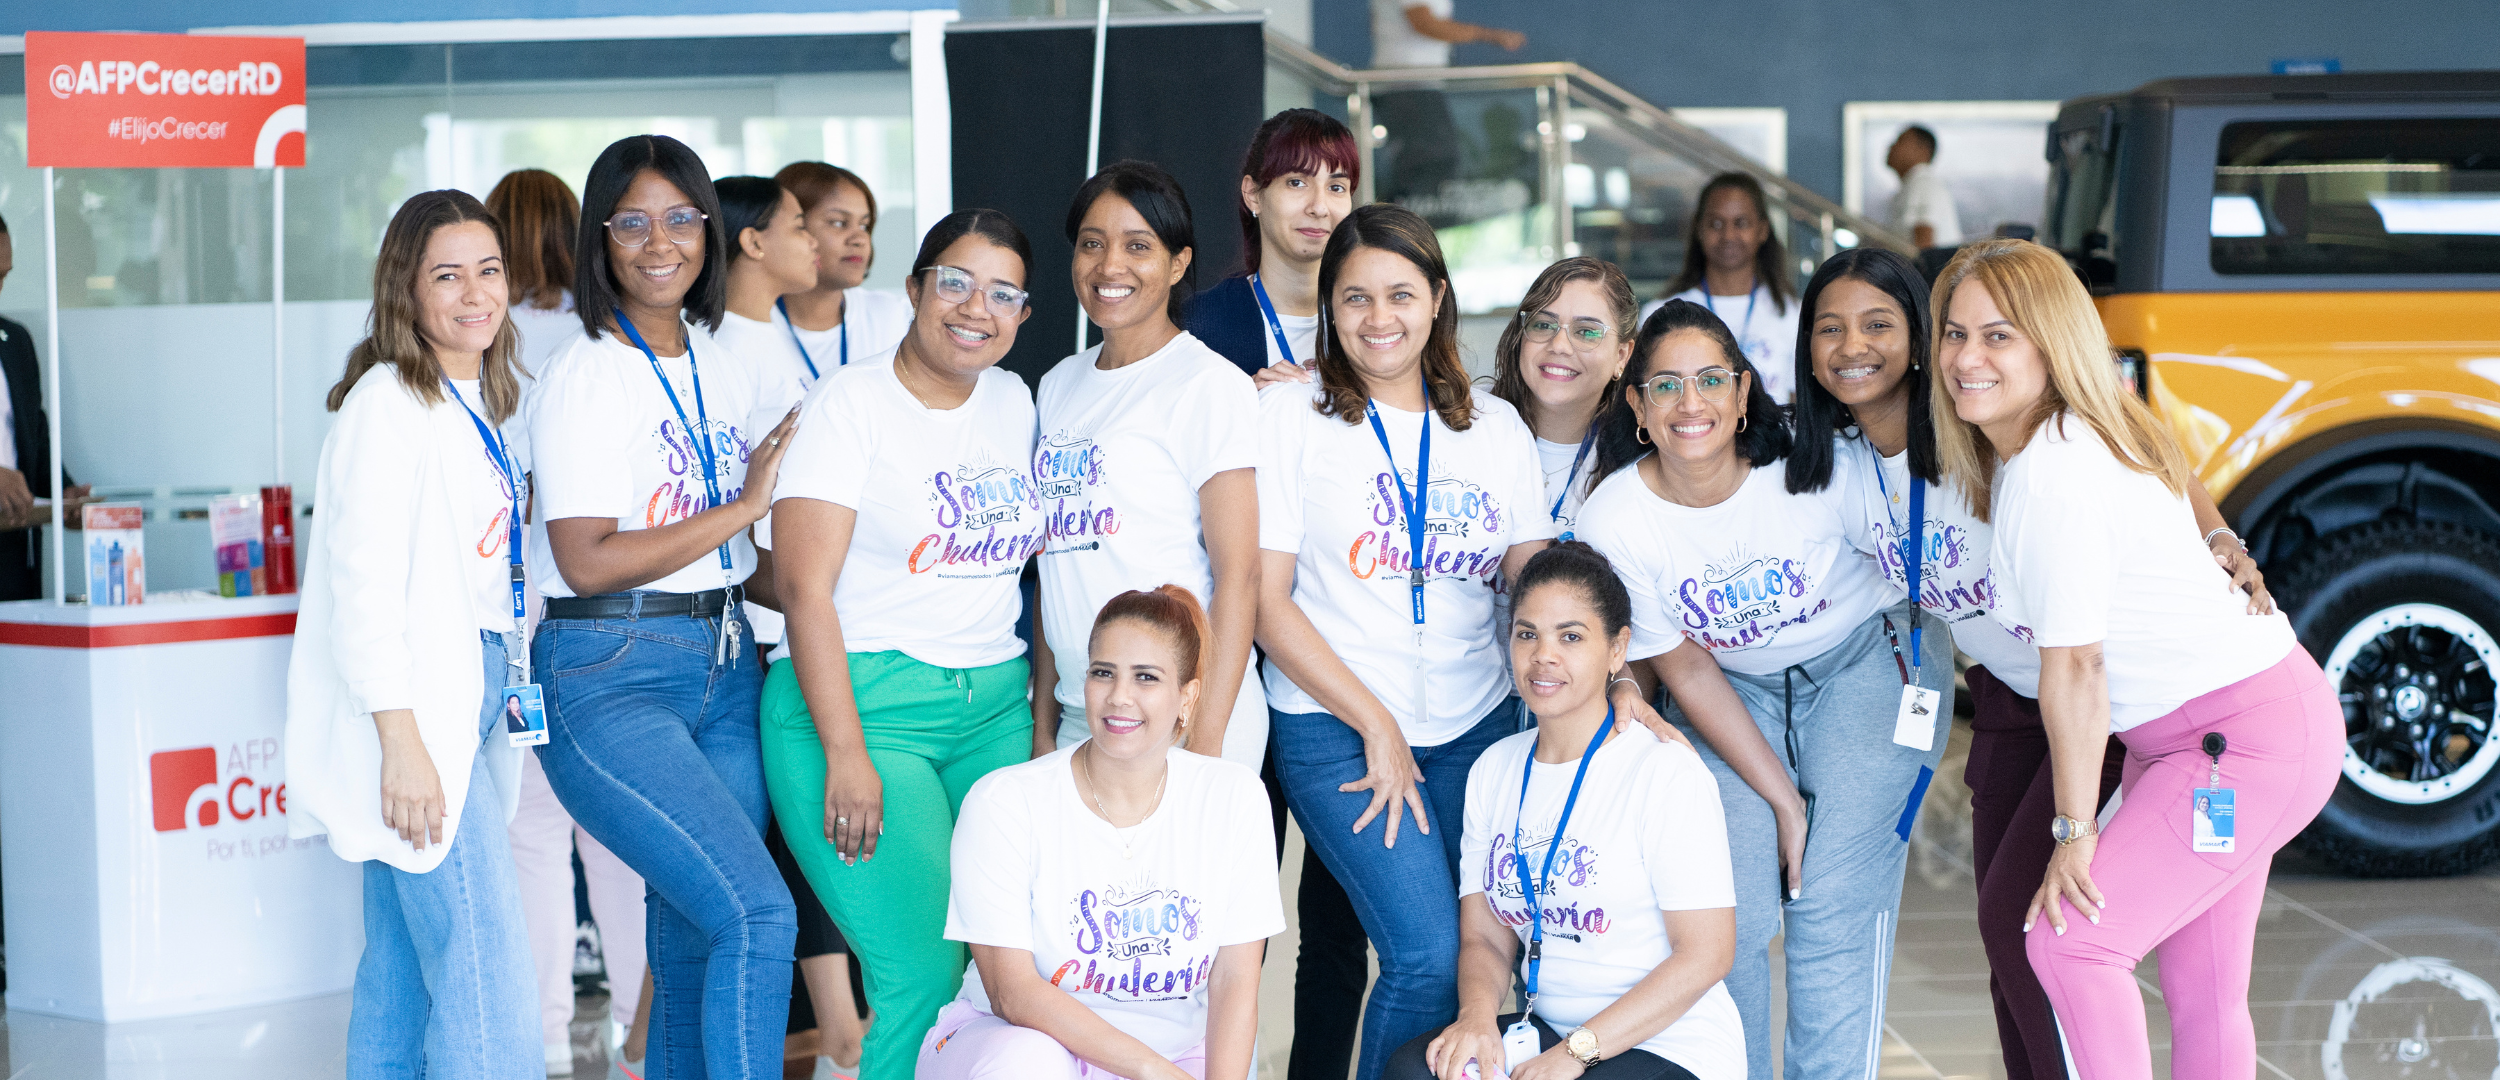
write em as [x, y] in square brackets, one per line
[932, 123]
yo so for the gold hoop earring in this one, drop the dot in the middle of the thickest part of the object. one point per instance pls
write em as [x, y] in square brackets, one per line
[1640, 435]
[1740, 424]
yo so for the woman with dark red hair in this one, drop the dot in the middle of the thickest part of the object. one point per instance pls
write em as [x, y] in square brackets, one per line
[1297, 183]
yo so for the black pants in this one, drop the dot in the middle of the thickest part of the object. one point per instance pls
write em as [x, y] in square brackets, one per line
[1409, 1063]
[21, 565]
[1334, 963]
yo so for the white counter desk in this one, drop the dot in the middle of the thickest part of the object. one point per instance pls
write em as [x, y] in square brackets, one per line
[143, 842]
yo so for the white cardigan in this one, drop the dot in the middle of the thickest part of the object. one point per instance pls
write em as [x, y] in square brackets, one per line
[386, 621]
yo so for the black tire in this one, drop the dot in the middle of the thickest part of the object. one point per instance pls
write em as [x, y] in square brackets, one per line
[2333, 586]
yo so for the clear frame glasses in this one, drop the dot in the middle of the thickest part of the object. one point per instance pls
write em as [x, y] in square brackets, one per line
[1713, 384]
[1586, 335]
[955, 285]
[681, 224]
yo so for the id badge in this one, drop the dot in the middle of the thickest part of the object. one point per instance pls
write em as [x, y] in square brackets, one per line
[2212, 812]
[1519, 1044]
[524, 715]
[1915, 725]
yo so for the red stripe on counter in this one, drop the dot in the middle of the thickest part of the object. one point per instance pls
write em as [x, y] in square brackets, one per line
[165, 633]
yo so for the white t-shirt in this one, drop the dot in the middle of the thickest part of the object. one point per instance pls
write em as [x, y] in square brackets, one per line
[876, 320]
[1923, 200]
[605, 443]
[1646, 837]
[1395, 44]
[2087, 549]
[544, 332]
[947, 510]
[1133, 938]
[1764, 580]
[1301, 331]
[766, 347]
[1565, 487]
[483, 501]
[1954, 566]
[1764, 327]
[1121, 457]
[1326, 495]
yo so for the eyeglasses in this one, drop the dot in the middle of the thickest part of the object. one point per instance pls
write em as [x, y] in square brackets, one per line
[682, 225]
[1714, 384]
[1586, 335]
[955, 285]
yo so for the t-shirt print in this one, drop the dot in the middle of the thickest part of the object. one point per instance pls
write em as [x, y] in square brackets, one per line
[1466, 531]
[984, 512]
[1742, 599]
[1138, 942]
[1576, 866]
[1069, 471]
[682, 493]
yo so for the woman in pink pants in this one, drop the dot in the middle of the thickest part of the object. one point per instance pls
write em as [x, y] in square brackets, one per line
[2233, 737]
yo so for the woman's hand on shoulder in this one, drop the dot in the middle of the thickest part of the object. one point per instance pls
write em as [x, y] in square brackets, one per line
[1280, 373]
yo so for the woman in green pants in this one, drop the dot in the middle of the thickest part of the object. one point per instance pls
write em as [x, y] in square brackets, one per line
[904, 514]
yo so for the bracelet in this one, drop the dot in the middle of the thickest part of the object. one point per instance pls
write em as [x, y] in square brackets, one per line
[2225, 530]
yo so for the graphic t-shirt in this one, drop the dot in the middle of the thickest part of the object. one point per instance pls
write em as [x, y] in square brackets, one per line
[1954, 566]
[2087, 549]
[766, 347]
[483, 500]
[1646, 837]
[947, 510]
[1764, 328]
[1764, 580]
[877, 320]
[1132, 937]
[1326, 495]
[1119, 464]
[1566, 488]
[605, 443]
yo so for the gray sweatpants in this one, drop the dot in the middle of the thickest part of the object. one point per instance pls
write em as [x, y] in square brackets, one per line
[1836, 711]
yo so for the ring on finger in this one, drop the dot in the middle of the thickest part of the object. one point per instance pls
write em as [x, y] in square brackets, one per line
[841, 821]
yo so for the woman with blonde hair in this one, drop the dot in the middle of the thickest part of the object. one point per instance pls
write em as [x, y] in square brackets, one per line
[2141, 634]
[409, 630]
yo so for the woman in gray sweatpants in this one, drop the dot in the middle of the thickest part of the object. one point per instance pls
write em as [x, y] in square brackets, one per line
[1795, 693]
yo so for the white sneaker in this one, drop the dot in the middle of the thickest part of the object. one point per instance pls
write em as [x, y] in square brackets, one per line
[827, 1070]
[616, 1036]
[560, 1059]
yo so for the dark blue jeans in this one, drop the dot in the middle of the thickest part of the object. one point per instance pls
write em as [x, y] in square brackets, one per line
[1406, 897]
[653, 749]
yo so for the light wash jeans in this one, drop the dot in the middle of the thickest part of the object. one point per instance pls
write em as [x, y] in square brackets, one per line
[653, 747]
[444, 989]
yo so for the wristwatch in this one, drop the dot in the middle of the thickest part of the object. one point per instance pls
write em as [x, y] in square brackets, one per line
[2066, 830]
[1582, 1046]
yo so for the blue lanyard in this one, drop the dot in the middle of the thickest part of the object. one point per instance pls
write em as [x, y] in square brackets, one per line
[793, 327]
[700, 436]
[1750, 296]
[1586, 441]
[1535, 892]
[1275, 325]
[1916, 542]
[511, 490]
[1412, 504]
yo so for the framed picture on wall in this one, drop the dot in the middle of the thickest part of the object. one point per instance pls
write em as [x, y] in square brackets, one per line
[1762, 133]
[1989, 154]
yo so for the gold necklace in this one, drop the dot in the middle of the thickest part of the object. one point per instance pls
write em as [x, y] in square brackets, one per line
[1126, 847]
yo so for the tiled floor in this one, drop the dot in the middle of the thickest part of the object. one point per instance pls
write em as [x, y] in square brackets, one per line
[2355, 980]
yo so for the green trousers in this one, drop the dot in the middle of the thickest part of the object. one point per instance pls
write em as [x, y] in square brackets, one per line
[931, 732]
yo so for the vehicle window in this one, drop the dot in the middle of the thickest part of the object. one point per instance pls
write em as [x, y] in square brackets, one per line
[2081, 212]
[2358, 197]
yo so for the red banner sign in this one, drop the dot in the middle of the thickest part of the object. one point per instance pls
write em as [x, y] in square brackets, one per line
[147, 101]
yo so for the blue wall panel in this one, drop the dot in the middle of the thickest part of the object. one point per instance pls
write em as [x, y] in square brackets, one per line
[1812, 57]
[176, 15]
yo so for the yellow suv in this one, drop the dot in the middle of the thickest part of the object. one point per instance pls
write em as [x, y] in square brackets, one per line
[2302, 274]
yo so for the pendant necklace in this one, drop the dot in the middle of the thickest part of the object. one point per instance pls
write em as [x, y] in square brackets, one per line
[1127, 847]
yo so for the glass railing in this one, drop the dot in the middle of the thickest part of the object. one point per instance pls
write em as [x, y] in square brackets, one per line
[1521, 164]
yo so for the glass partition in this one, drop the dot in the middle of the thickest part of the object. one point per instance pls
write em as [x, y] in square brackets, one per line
[1473, 162]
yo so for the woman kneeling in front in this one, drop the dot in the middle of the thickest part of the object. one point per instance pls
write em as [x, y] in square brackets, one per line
[1115, 931]
[1620, 838]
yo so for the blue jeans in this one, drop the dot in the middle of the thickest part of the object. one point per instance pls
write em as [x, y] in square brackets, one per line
[445, 990]
[653, 749]
[1406, 897]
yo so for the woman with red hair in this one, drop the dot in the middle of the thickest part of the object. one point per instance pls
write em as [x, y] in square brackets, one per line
[1297, 183]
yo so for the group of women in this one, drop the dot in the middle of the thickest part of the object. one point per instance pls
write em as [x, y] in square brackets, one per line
[1293, 537]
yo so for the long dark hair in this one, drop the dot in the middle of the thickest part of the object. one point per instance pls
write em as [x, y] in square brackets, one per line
[594, 282]
[1765, 438]
[746, 202]
[1770, 261]
[1157, 198]
[391, 334]
[1816, 411]
[1399, 231]
[1306, 141]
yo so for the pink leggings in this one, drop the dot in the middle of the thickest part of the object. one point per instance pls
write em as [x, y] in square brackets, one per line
[2286, 736]
[543, 838]
[968, 1044]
